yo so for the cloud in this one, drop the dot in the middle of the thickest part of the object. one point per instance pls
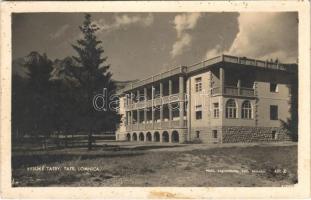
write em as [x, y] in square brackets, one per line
[183, 24]
[59, 32]
[186, 21]
[216, 51]
[267, 35]
[121, 21]
[180, 44]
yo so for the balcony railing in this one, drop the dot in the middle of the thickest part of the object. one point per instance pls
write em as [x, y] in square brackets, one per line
[233, 91]
[135, 126]
[141, 126]
[205, 64]
[157, 77]
[155, 102]
[170, 99]
[156, 125]
[165, 124]
[254, 62]
[247, 92]
[148, 126]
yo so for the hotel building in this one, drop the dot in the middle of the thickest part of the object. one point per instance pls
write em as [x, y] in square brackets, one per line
[220, 100]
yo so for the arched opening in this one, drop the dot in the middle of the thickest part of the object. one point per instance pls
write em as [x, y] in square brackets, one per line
[156, 137]
[175, 136]
[231, 109]
[246, 112]
[134, 137]
[128, 137]
[148, 137]
[165, 136]
[141, 136]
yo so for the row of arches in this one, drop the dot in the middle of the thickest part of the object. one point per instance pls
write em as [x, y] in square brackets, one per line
[154, 137]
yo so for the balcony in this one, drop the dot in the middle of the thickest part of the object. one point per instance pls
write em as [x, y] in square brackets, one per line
[233, 91]
[256, 63]
[156, 126]
[155, 102]
[171, 72]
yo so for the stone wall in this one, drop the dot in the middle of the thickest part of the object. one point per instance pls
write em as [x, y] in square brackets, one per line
[233, 134]
[206, 135]
[226, 134]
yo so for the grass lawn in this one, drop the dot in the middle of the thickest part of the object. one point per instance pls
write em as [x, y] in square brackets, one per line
[137, 164]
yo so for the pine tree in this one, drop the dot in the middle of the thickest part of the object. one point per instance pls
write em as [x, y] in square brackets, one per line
[92, 75]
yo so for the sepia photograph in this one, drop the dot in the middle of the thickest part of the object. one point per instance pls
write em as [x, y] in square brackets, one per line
[155, 99]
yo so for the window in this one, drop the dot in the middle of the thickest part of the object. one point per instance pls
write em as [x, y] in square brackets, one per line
[198, 84]
[274, 112]
[246, 110]
[215, 134]
[198, 112]
[216, 110]
[230, 109]
[273, 87]
[197, 134]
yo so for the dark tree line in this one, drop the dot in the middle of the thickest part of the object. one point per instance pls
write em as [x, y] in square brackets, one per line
[57, 97]
[291, 124]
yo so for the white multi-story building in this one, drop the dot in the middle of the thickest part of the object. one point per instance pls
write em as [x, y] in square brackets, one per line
[223, 99]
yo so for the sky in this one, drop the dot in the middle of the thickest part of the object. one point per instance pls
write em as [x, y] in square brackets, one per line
[139, 45]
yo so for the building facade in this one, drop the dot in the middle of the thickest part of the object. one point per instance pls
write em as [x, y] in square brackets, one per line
[221, 100]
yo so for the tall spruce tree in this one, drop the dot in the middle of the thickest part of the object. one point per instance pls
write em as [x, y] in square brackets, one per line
[93, 76]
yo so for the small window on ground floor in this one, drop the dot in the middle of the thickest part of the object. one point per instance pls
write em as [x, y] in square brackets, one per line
[215, 134]
[274, 112]
[197, 134]
[274, 135]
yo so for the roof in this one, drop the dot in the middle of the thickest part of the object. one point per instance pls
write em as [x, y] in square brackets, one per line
[208, 63]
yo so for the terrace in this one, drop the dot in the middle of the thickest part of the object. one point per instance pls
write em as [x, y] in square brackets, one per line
[185, 70]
